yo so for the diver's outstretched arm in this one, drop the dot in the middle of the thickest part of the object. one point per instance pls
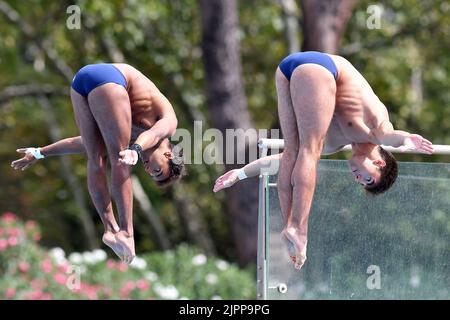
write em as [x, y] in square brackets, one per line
[386, 135]
[72, 145]
[267, 164]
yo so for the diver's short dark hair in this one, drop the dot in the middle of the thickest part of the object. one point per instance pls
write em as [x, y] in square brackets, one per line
[388, 175]
[176, 167]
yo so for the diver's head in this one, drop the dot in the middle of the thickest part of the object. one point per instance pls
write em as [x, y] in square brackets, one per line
[164, 164]
[373, 167]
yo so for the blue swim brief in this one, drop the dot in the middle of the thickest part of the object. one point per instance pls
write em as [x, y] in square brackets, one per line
[93, 75]
[288, 64]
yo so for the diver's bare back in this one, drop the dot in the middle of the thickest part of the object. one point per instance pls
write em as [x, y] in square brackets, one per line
[357, 110]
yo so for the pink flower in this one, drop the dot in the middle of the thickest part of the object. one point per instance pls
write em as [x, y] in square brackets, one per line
[45, 296]
[122, 267]
[1, 232]
[46, 266]
[38, 295]
[107, 291]
[12, 241]
[3, 244]
[24, 266]
[30, 225]
[10, 293]
[63, 267]
[91, 294]
[143, 285]
[37, 237]
[89, 291]
[35, 295]
[126, 289]
[14, 232]
[110, 264]
[37, 284]
[129, 285]
[9, 217]
[124, 293]
[60, 278]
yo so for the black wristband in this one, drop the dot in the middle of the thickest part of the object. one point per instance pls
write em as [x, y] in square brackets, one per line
[136, 148]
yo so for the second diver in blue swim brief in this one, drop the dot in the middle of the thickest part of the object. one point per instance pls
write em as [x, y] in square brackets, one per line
[288, 64]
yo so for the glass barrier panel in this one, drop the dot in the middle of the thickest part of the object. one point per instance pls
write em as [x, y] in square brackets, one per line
[393, 246]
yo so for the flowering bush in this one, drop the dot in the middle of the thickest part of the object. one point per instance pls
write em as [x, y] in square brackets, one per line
[29, 271]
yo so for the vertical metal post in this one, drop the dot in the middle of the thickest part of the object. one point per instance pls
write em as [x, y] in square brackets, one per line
[261, 281]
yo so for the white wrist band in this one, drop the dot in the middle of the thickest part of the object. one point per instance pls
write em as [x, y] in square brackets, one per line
[36, 152]
[241, 174]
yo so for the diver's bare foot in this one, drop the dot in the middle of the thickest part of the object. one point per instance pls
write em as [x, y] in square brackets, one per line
[126, 243]
[296, 241]
[290, 247]
[110, 240]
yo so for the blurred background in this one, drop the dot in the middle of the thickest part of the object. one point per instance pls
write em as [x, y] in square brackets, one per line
[215, 61]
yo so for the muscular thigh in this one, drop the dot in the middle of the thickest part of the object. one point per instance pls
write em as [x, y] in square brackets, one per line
[89, 131]
[286, 113]
[110, 106]
[313, 93]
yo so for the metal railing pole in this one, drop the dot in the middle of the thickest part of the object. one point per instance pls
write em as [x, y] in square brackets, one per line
[261, 281]
[279, 144]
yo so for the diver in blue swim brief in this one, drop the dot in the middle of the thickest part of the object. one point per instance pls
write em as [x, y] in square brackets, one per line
[93, 75]
[122, 117]
[324, 103]
[288, 64]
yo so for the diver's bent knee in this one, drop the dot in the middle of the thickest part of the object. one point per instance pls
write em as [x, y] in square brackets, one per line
[284, 184]
[290, 154]
[303, 167]
[119, 169]
[96, 165]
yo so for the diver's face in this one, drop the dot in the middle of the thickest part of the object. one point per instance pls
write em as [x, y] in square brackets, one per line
[366, 170]
[156, 164]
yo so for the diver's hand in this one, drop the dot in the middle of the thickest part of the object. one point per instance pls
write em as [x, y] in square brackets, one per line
[129, 157]
[417, 143]
[226, 180]
[25, 162]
